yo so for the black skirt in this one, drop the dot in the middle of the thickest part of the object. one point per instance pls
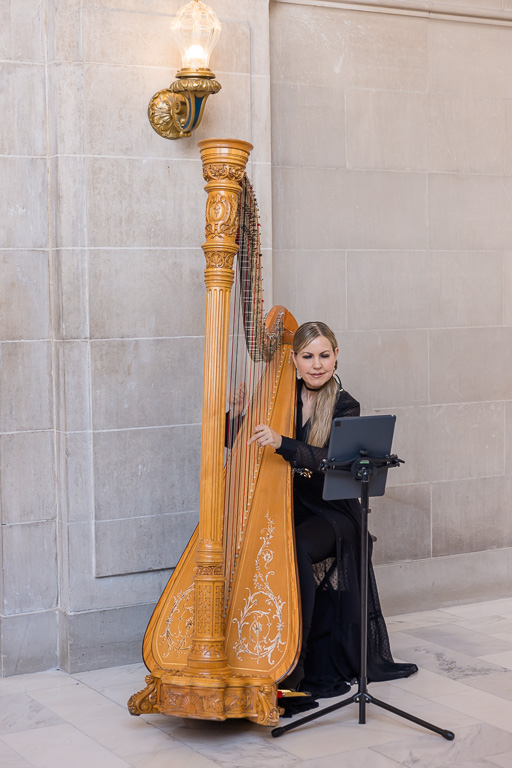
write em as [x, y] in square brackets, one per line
[334, 646]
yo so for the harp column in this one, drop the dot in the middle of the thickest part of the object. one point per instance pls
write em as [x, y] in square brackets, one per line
[224, 164]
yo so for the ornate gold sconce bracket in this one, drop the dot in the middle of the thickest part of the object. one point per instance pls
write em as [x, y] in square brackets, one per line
[176, 111]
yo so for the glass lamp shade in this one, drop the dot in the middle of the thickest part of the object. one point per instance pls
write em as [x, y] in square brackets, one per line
[196, 30]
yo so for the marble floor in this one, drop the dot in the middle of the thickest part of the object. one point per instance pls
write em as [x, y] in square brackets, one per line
[464, 684]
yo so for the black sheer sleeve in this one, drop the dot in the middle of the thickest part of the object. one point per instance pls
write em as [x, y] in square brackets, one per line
[305, 456]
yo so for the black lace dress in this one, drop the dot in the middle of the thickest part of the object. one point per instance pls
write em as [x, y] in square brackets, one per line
[334, 643]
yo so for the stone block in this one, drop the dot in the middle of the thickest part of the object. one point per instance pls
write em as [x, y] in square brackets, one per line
[258, 126]
[260, 175]
[148, 382]
[472, 60]
[70, 294]
[507, 288]
[69, 194]
[432, 583]
[507, 167]
[370, 209]
[470, 5]
[470, 364]
[420, 289]
[73, 385]
[75, 477]
[30, 567]
[401, 522]
[236, 45]
[387, 130]
[119, 36]
[146, 293]
[126, 37]
[385, 369]
[471, 515]
[27, 492]
[299, 110]
[67, 102]
[481, 219]
[23, 203]
[22, 98]
[455, 281]
[347, 47]
[87, 592]
[144, 203]
[107, 638]
[146, 472]
[312, 285]
[25, 309]
[21, 30]
[508, 438]
[390, 289]
[140, 544]
[25, 386]
[466, 135]
[29, 643]
[449, 442]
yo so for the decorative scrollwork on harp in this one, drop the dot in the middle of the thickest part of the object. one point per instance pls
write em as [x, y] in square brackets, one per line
[256, 623]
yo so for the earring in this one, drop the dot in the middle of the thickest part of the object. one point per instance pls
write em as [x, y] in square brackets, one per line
[298, 374]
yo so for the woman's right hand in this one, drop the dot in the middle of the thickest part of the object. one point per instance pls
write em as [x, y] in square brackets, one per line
[264, 435]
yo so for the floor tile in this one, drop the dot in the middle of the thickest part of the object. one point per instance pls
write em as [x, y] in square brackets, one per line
[464, 684]
[62, 745]
[471, 746]
[53, 678]
[409, 621]
[444, 661]
[504, 760]
[478, 610]
[481, 705]
[99, 679]
[499, 684]
[20, 712]
[11, 759]
[460, 639]
[176, 756]
[500, 659]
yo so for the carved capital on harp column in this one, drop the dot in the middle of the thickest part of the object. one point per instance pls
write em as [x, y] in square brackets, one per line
[216, 171]
[219, 259]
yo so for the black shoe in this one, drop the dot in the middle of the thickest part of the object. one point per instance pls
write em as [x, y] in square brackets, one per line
[294, 679]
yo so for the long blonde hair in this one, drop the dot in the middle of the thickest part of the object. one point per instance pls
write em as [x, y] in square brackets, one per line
[321, 418]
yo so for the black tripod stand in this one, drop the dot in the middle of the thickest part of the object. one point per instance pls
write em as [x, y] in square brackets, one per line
[361, 468]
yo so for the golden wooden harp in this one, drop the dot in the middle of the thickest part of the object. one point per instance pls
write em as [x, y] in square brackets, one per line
[227, 626]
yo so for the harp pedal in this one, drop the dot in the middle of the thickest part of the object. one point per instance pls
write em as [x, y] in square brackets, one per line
[285, 693]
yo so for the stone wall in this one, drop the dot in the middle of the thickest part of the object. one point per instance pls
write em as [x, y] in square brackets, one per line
[392, 181]
[102, 314]
[383, 173]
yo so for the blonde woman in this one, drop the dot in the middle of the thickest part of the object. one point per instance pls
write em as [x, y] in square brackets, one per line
[327, 533]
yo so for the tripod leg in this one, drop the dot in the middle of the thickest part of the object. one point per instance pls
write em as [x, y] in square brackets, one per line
[449, 735]
[279, 731]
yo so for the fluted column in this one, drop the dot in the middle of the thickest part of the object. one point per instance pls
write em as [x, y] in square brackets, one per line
[224, 164]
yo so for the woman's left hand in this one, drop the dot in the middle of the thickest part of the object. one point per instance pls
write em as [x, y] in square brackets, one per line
[264, 436]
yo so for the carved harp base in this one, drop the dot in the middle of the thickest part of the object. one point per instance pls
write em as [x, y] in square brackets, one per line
[209, 698]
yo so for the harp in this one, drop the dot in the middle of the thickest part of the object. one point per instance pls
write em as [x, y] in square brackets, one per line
[227, 626]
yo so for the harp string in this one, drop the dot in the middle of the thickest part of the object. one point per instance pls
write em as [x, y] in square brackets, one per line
[252, 363]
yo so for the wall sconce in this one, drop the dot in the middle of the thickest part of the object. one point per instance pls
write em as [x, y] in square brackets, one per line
[176, 111]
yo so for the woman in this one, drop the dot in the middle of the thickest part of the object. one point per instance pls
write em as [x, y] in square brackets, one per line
[327, 533]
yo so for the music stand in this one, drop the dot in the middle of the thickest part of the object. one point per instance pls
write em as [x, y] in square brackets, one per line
[361, 451]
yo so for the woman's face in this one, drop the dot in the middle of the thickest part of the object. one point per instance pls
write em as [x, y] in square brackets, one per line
[315, 362]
